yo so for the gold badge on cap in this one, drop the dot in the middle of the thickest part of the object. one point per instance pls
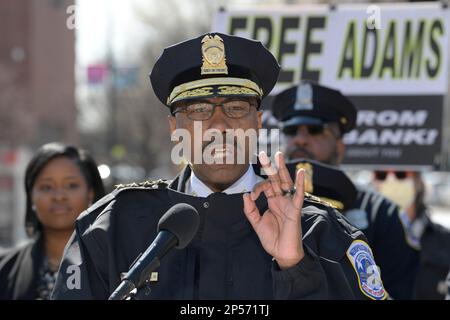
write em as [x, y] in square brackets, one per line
[308, 175]
[213, 52]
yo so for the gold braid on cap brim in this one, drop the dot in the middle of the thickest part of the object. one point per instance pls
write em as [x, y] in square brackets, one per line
[214, 86]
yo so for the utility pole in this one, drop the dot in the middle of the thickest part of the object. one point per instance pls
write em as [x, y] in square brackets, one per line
[112, 136]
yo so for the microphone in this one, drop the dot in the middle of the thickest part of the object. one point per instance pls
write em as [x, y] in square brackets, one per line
[176, 228]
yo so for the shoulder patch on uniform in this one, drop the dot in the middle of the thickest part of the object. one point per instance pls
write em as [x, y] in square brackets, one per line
[309, 197]
[369, 277]
[149, 184]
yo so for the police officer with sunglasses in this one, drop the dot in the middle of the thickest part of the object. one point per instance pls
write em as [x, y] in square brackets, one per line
[313, 119]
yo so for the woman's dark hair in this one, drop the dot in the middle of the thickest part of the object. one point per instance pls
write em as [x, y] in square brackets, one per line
[41, 158]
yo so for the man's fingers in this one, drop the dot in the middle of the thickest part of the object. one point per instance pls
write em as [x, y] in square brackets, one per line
[271, 172]
[269, 193]
[265, 164]
[260, 187]
[251, 211]
[300, 190]
[283, 172]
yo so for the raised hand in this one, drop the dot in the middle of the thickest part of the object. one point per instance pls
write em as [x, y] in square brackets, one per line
[279, 228]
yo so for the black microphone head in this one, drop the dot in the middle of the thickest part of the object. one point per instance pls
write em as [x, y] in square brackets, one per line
[182, 220]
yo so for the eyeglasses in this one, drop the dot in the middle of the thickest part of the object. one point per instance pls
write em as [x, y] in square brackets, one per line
[312, 130]
[400, 175]
[201, 111]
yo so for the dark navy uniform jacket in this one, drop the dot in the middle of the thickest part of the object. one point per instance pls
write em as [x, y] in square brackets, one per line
[447, 296]
[434, 260]
[225, 260]
[395, 251]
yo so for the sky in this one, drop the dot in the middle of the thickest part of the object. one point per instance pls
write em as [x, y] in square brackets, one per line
[102, 24]
[115, 21]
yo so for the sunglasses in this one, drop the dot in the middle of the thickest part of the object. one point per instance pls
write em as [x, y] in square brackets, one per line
[312, 130]
[400, 175]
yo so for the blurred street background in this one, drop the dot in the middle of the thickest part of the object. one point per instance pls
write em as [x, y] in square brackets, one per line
[77, 72]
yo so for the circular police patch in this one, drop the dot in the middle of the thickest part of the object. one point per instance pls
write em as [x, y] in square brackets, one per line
[369, 279]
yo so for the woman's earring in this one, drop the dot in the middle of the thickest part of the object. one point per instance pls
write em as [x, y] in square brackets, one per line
[33, 207]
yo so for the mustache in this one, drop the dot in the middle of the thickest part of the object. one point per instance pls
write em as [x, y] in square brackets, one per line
[291, 153]
[226, 140]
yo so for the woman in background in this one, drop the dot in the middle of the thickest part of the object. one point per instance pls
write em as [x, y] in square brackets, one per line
[60, 182]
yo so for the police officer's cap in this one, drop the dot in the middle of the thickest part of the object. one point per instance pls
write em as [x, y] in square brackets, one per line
[311, 104]
[214, 64]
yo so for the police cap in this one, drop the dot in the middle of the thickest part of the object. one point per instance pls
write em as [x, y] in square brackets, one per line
[311, 104]
[214, 64]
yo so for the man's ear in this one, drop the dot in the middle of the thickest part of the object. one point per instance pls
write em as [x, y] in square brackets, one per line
[259, 114]
[172, 123]
[340, 151]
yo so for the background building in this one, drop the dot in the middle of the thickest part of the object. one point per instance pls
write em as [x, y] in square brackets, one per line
[37, 95]
[37, 82]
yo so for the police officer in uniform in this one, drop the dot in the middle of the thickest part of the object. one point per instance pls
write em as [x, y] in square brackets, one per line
[275, 242]
[313, 119]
